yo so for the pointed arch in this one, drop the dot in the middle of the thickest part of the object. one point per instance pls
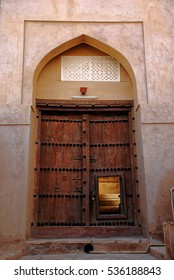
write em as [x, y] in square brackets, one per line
[94, 43]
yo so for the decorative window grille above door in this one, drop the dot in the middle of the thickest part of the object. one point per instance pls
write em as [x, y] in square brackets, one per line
[90, 68]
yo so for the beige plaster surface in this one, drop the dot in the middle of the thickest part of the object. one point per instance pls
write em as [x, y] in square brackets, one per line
[158, 144]
[155, 112]
[156, 16]
[142, 33]
[13, 114]
[14, 147]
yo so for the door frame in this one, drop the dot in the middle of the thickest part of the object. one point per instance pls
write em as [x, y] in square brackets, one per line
[120, 228]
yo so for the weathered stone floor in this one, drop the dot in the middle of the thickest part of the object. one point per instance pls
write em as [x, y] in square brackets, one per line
[75, 249]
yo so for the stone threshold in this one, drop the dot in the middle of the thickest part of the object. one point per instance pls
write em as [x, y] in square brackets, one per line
[137, 244]
[94, 246]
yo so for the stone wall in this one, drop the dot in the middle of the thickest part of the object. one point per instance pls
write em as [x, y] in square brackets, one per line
[142, 31]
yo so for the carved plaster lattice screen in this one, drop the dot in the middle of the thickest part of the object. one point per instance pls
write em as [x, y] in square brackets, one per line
[90, 68]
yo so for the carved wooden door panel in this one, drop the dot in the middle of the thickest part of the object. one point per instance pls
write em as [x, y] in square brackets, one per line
[61, 166]
[84, 171]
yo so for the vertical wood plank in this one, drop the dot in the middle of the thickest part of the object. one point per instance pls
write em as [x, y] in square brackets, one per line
[85, 137]
[133, 171]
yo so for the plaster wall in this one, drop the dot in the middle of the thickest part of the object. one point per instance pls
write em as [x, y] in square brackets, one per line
[14, 147]
[158, 141]
[158, 146]
[53, 34]
[142, 31]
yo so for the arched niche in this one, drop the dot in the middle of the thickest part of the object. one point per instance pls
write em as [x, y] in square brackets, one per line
[48, 85]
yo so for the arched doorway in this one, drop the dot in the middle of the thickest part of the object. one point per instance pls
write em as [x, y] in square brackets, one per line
[85, 169]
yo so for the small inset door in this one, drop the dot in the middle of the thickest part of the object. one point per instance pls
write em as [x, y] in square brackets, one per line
[110, 195]
[84, 169]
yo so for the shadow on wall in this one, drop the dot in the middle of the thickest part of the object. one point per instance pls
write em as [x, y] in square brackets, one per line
[163, 206]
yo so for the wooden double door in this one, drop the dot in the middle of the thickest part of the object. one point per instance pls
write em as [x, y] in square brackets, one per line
[85, 170]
